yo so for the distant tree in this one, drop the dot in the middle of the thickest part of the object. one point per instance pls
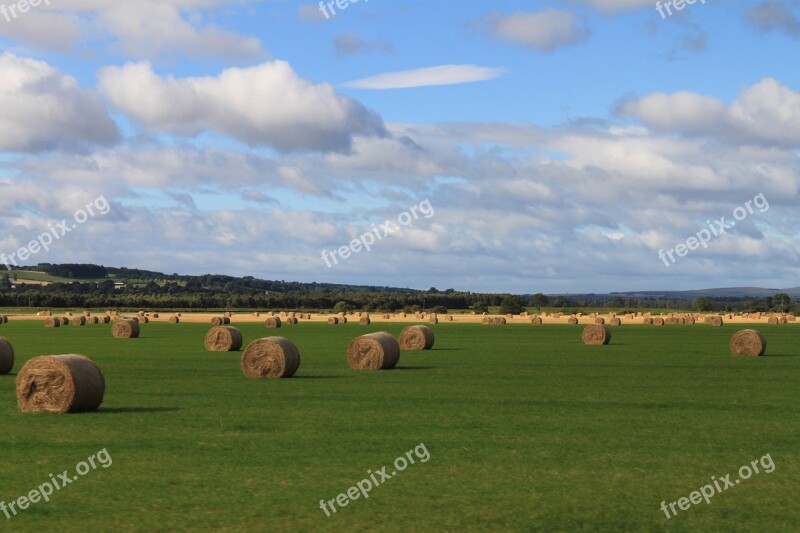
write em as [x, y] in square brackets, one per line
[340, 307]
[781, 303]
[440, 310]
[702, 304]
[539, 300]
[513, 305]
[480, 307]
[5, 283]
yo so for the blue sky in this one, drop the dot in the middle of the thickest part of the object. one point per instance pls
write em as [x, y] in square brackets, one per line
[564, 145]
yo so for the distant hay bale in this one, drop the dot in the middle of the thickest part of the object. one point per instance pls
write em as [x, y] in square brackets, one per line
[52, 322]
[64, 320]
[273, 322]
[600, 320]
[375, 351]
[256, 314]
[416, 338]
[783, 320]
[87, 314]
[228, 314]
[270, 357]
[647, 321]
[178, 314]
[79, 321]
[134, 318]
[486, 320]
[292, 320]
[671, 320]
[106, 319]
[386, 317]
[60, 384]
[226, 320]
[125, 329]
[174, 320]
[716, 321]
[658, 321]
[616, 322]
[791, 318]
[6, 356]
[748, 342]
[689, 321]
[448, 318]
[144, 320]
[217, 321]
[433, 320]
[155, 315]
[499, 321]
[364, 321]
[343, 320]
[772, 320]
[223, 339]
[536, 321]
[333, 320]
[596, 334]
[572, 321]
[94, 320]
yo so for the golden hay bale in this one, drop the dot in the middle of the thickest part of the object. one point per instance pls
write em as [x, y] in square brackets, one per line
[596, 334]
[135, 319]
[433, 320]
[616, 322]
[748, 342]
[174, 320]
[716, 321]
[486, 320]
[125, 329]
[783, 320]
[256, 314]
[333, 320]
[671, 320]
[386, 317]
[343, 320]
[292, 320]
[87, 314]
[273, 322]
[178, 314]
[64, 320]
[69, 314]
[689, 321]
[223, 339]
[106, 319]
[217, 321]
[536, 321]
[94, 320]
[647, 321]
[600, 320]
[52, 322]
[375, 351]
[144, 320]
[364, 321]
[499, 321]
[271, 357]
[79, 321]
[226, 320]
[772, 320]
[448, 318]
[416, 338]
[658, 321]
[228, 314]
[155, 315]
[60, 384]
[572, 321]
[791, 318]
[6, 356]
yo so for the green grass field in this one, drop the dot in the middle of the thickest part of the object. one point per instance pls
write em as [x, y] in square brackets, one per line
[527, 429]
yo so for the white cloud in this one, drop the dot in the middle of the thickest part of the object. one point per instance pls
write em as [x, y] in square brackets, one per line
[265, 105]
[427, 77]
[545, 30]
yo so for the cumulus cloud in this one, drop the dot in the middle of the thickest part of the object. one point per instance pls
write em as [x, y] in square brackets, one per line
[351, 43]
[264, 105]
[545, 30]
[774, 16]
[42, 109]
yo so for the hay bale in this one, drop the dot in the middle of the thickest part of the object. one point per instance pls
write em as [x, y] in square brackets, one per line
[144, 320]
[376, 351]
[226, 320]
[343, 320]
[783, 320]
[486, 320]
[223, 339]
[52, 322]
[716, 321]
[671, 320]
[79, 321]
[174, 320]
[596, 334]
[647, 321]
[125, 329]
[572, 321]
[292, 320]
[60, 384]
[155, 315]
[536, 321]
[273, 322]
[499, 321]
[94, 320]
[364, 321]
[748, 342]
[6, 356]
[658, 321]
[270, 357]
[448, 318]
[64, 320]
[772, 320]
[135, 319]
[217, 321]
[600, 320]
[416, 338]
[433, 320]
[616, 322]
[333, 320]
[689, 321]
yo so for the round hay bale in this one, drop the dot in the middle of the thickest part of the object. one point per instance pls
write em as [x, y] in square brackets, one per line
[416, 338]
[223, 339]
[748, 342]
[226, 320]
[333, 320]
[486, 320]
[716, 321]
[228, 314]
[658, 321]
[64, 320]
[174, 320]
[536, 321]
[256, 314]
[217, 321]
[600, 320]
[135, 319]
[689, 321]
[273, 322]
[572, 321]
[596, 334]
[271, 357]
[791, 318]
[155, 315]
[52, 322]
[125, 329]
[616, 322]
[343, 320]
[647, 321]
[499, 321]
[448, 318]
[178, 314]
[433, 320]
[783, 320]
[375, 351]
[106, 319]
[292, 320]
[6, 356]
[79, 321]
[87, 314]
[671, 320]
[60, 384]
[364, 321]
[144, 320]
[94, 320]
[772, 320]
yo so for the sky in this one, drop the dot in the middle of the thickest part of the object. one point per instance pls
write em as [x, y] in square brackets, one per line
[506, 146]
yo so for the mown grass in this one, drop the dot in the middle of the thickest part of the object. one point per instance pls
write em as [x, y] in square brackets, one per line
[527, 429]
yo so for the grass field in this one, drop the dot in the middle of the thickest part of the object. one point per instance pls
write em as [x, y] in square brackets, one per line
[527, 429]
